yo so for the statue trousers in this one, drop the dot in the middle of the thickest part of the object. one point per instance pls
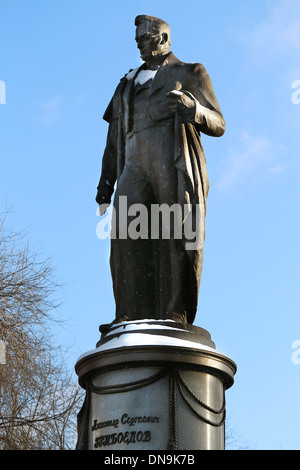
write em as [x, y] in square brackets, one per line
[149, 273]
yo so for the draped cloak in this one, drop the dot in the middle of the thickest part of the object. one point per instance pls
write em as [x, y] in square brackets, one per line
[189, 158]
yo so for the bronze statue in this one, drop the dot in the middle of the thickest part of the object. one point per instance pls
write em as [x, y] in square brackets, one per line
[154, 154]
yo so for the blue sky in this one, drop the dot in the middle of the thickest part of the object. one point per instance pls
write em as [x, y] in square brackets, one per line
[61, 61]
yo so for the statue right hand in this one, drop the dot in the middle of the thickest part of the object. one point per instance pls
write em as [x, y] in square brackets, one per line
[103, 202]
[103, 208]
[183, 104]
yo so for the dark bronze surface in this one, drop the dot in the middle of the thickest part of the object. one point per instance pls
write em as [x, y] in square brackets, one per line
[154, 154]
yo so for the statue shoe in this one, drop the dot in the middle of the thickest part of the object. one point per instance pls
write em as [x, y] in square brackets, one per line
[104, 328]
[178, 317]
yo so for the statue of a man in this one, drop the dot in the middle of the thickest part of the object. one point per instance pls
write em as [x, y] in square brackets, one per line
[154, 154]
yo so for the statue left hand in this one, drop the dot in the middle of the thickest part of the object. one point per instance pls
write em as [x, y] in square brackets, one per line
[186, 107]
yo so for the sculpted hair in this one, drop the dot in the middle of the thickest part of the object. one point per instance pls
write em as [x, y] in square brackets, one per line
[156, 24]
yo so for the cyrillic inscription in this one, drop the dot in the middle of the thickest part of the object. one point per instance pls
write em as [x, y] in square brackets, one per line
[127, 437]
[138, 419]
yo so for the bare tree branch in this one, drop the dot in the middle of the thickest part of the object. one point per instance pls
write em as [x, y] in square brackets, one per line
[39, 399]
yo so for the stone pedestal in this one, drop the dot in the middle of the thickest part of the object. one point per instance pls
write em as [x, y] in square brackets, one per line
[153, 385]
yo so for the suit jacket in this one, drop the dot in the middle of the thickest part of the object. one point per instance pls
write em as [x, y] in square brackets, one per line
[190, 78]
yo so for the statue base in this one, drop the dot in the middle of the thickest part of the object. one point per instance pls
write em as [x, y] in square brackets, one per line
[153, 385]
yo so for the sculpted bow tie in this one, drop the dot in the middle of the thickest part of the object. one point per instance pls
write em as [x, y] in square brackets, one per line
[151, 67]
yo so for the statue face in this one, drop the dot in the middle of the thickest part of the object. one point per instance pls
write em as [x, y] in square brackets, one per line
[150, 43]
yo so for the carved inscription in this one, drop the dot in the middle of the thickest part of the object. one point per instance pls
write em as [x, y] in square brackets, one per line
[127, 437]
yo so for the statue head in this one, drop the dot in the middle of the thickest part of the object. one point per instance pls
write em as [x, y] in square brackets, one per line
[152, 36]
